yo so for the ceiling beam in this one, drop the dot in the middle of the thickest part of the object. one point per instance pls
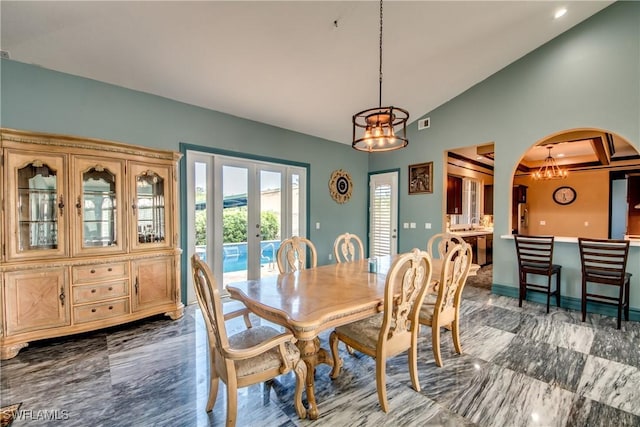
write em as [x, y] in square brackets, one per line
[601, 148]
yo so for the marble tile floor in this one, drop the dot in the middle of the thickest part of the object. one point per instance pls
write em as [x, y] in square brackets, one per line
[520, 367]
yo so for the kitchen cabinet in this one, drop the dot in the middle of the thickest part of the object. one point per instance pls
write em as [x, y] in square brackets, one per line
[454, 195]
[488, 199]
[519, 194]
[89, 235]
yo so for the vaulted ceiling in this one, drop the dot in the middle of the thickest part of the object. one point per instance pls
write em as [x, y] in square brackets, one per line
[307, 66]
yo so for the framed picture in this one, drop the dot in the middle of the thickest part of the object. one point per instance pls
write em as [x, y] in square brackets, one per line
[421, 178]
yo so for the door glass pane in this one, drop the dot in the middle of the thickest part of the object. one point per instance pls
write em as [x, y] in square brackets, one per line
[235, 220]
[151, 213]
[270, 221]
[37, 208]
[201, 210]
[381, 220]
[295, 204]
[99, 212]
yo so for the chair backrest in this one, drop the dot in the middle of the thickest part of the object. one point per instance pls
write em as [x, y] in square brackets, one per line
[439, 244]
[292, 254]
[453, 276]
[405, 289]
[344, 248]
[604, 259]
[535, 252]
[210, 304]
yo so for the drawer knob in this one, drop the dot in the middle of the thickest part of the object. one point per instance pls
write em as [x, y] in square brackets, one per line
[93, 310]
[110, 288]
[92, 271]
[109, 269]
[110, 307]
[93, 291]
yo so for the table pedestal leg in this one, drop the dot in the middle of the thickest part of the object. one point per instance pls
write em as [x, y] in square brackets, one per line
[313, 355]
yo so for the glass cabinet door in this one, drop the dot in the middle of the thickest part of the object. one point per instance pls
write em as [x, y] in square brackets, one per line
[37, 205]
[150, 206]
[98, 220]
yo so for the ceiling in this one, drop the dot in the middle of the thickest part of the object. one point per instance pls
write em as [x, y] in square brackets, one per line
[307, 66]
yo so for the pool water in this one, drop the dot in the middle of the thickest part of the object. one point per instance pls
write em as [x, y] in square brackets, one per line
[235, 254]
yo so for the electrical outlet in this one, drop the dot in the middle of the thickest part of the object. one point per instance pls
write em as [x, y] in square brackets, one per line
[317, 226]
[543, 222]
[330, 257]
[405, 225]
[586, 223]
[413, 225]
[427, 226]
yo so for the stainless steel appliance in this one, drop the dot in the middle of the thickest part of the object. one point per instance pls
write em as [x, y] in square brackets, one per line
[523, 218]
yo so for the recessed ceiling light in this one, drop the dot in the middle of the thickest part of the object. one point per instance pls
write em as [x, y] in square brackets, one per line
[560, 155]
[560, 13]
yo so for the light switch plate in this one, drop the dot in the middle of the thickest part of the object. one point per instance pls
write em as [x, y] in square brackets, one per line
[413, 225]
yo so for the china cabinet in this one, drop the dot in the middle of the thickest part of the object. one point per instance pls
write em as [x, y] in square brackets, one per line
[89, 236]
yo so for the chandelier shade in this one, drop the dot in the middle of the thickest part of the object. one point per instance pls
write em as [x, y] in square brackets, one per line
[380, 128]
[550, 169]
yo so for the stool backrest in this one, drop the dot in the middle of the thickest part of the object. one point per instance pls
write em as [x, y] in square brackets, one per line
[604, 260]
[535, 252]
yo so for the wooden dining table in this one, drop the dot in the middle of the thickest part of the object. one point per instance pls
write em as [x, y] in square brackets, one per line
[313, 300]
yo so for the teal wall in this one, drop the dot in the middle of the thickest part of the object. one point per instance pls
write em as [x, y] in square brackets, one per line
[37, 99]
[587, 77]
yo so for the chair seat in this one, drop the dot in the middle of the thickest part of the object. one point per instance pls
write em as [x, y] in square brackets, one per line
[268, 360]
[365, 331]
[595, 275]
[538, 269]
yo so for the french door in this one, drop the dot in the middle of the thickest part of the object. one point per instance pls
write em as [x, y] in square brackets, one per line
[383, 214]
[254, 205]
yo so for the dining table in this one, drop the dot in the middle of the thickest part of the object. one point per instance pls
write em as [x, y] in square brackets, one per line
[313, 300]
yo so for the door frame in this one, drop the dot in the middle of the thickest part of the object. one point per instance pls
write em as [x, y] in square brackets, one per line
[396, 172]
[187, 217]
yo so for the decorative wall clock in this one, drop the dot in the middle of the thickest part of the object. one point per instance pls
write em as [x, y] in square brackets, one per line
[564, 195]
[340, 186]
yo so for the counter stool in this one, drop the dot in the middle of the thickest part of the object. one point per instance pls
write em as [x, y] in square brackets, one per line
[604, 262]
[535, 256]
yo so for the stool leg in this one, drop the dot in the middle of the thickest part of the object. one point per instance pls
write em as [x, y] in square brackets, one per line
[626, 299]
[558, 288]
[584, 300]
[548, 292]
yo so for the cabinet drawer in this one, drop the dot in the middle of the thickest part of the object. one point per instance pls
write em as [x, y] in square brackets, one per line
[93, 312]
[100, 291]
[91, 273]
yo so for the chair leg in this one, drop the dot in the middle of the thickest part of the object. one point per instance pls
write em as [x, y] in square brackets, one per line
[620, 304]
[213, 392]
[300, 370]
[435, 343]
[413, 366]
[337, 362]
[232, 402]
[455, 331]
[381, 382]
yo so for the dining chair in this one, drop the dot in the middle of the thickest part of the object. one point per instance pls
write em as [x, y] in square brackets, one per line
[535, 256]
[396, 328]
[445, 310]
[442, 243]
[604, 262]
[348, 247]
[292, 254]
[252, 356]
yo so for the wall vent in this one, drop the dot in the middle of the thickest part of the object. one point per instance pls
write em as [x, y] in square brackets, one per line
[424, 123]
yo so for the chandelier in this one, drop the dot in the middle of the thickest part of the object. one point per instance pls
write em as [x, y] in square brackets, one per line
[379, 124]
[549, 169]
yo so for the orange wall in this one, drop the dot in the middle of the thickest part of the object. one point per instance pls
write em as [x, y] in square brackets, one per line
[591, 205]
